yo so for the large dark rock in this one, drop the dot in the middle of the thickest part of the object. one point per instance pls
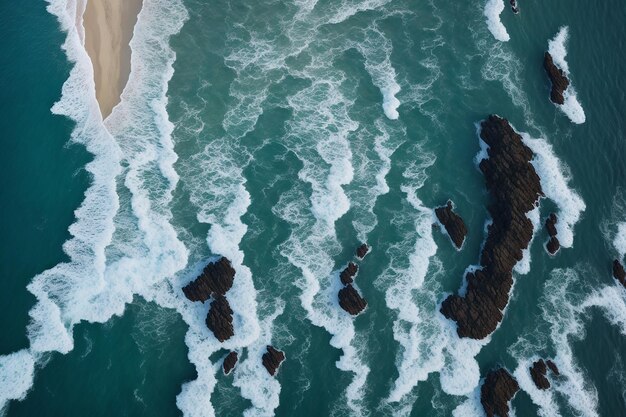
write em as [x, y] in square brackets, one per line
[557, 77]
[553, 367]
[351, 301]
[453, 223]
[230, 361]
[272, 359]
[553, 244]
[220, 318]
[618, 272]
[217, 278]
[538, 374]
[347, 275]
[362, 250]
[515, 189]
[497, 390]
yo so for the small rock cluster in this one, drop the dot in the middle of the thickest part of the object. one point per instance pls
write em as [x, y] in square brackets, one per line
[349, 298]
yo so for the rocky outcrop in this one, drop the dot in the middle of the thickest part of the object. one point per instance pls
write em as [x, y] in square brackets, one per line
[351, 301]
[347, 275]
[453, 223]
[553, 367]
[618, 272]
[220, 318]
[497, 391]
[216, 278]
[272, 359]
[515, 190]
[538, 374]
[514, 6]
[362, 250]
[230, 361]
[553, 244]
[557, 77]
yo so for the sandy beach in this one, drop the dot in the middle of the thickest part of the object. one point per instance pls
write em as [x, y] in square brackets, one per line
[109, 28]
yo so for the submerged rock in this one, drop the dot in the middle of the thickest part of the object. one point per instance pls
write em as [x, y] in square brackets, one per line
[515, 189]
[553, 244]
[497, 391]
[557, 77]
[351, 301]
[538, 374]
[216, 278]
[453, 223]
[347, 275]
[514, 6]
[272, 359]
[362, 250]
[220, 318]
[230, 361]
[618, 272]
[553, 367]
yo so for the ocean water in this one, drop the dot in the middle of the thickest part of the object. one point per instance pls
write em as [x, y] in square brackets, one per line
[282, 134]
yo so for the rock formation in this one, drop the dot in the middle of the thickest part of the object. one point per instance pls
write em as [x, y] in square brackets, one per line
[558, 79]
[553, 367]
[347, 275]
[515, 190]
[351, 301]
[217, 278]
[514, 6]
[453, 223]
[362, 250]
[220, 318]
[230, 361]
[272, 359]
[553, 244]
[538, 374]
[497, 390]
[619, 273]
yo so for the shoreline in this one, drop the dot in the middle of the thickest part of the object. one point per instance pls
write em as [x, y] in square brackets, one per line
[108, 28]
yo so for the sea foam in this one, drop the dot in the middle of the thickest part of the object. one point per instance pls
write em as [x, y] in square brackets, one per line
[493, 9]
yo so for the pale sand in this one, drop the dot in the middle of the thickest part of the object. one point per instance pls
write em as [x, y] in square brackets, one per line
[109, 28]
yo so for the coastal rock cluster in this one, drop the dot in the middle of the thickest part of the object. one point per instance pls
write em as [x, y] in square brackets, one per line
[515, 189]
[272, 359]
[214, 282]
[349, 298]
[553, 244]
[539, 370]
[619, 273]
[453, 223]
[497, 391]
[557, 77]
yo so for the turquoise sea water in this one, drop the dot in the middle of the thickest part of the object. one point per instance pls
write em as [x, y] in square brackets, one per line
[281, 134]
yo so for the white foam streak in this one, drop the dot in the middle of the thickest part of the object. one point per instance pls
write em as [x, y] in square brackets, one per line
[17, 371]
[493, 9]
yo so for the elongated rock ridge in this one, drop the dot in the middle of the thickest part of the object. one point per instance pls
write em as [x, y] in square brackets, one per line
[230, 361]
[272, 359]
[619, 273]
[539, 371]
[557, 78]
[220, 319]
[515, 189]
[453, 223]
[553, 244]
[497, 391]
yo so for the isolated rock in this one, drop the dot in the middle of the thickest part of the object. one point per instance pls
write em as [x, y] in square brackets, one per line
[515, 189]
[230, 361]
[619, 273]
[362, 250]
[557, 77]
[538, 374]
[553, 367]
[347, 275]
[453, 223]
[497, 391]
[272, 359]
[351, 301]
[514, 6]
[216, 278]
[220, 318]
[553, 244]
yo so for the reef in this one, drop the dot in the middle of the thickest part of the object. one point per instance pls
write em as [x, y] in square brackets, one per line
[619, 273]
[497, 391]
[351, 301]
[362, 250]
[515, 189]
[272, 359]
[216, 278]
[347, 275]
[230, 361]
[553, 244]
[557, 77]
[453, 223]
